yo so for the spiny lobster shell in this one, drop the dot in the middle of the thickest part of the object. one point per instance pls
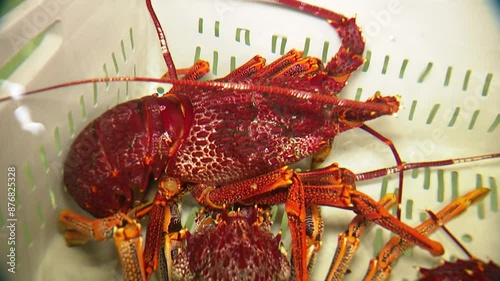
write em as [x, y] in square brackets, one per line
[464, 270]
[239, 246]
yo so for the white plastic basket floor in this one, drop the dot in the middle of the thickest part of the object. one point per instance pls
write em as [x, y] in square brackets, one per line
[448, 82]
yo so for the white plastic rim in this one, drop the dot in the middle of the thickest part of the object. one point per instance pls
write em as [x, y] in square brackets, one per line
[440, 56]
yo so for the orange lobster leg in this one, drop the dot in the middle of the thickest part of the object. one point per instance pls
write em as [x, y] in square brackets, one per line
[380, 268]
[348, 241]
[159, 219]
[314, 232]
[128, 242]
[331, 186]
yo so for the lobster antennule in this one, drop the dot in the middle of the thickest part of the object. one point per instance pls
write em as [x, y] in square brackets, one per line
[172, 73]
[380, 108]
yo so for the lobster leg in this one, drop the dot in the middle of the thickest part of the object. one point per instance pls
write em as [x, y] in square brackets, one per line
[159, 220]
[128, 242]
[330, 186]
[125, 231]
[380, 269]
[314, 234]
[349, 56]
[348, 241]
[78, 229]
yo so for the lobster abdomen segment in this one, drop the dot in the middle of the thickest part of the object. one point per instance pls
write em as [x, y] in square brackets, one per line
[111, 161]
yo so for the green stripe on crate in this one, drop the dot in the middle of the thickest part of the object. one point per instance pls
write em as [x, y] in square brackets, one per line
[29, 175]
[480, 205]
[124, 53]
[409, 209]
[190, 219]
[284, 226]
[425, 73]
[359, 91]
[2, 219]
[217, 29]
[233, 63]
[127, 90]
[324, 54]
[83, 110]
[414, 173]
[215, 62]
[52, 197]
[454, 117]
[378, 242]
[383, 189]
[247, 35]
[412, 110]
[454, 185]
[40, 214]
[71, 124]
[368, 57]
[200, 25]
[403, 68]
[494, 125]
[24, 50]
[307, 43]
[432, 114]
[118, 99]
[27, 235]
[493, 194]
[43, 158]
[115, 63]
[131, 37]
[197, 54]
[57, 141]
[465, 84]
[423, 216]
[427, 178]
[106, 74]
[487, 83]
[473, 119]
[448, 76]
[386, 64]
[95, 92]
[440, 190]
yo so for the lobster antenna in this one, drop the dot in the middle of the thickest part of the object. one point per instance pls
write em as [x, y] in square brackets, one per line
[172, 73]
[299, 94]
[448, 232]
[416, 165]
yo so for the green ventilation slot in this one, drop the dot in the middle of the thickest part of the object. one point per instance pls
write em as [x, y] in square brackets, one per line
[216, 29]
[403, 68]
[306, 47]
[425, 73]
[274, 43]
[378, 241]
[487, 83]
[454, 185]
[324, 55]
[246, 36]
[43, 159]
[465, 84]
[368, 57]
[493, 194]
[386, 64]
[448, 76]
[409, 209]
[25, 52]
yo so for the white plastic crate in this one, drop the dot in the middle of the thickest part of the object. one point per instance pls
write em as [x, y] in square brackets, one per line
[444, 67]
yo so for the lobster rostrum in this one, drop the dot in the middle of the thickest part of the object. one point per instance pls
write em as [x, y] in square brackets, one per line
[228, 141]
